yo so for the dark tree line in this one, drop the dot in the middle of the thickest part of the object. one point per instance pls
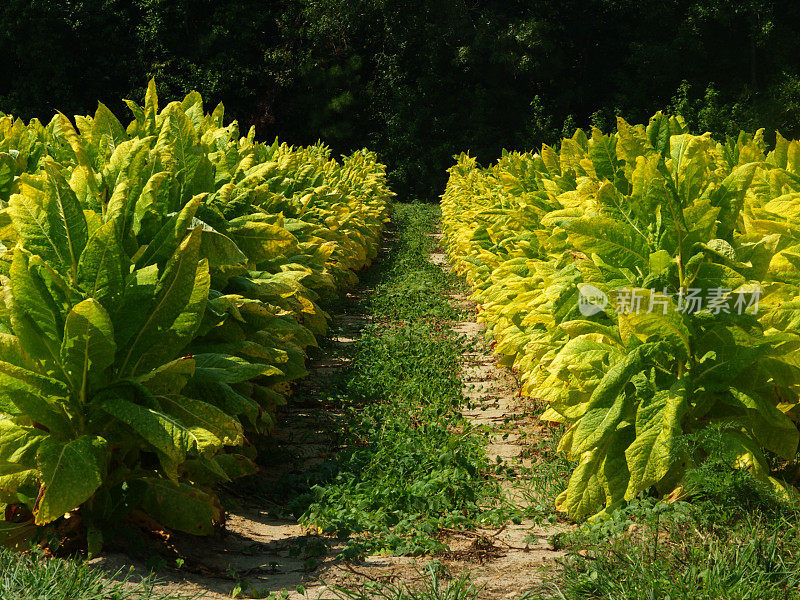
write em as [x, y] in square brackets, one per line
[415, 80]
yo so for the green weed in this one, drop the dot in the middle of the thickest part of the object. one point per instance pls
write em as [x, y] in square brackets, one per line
[735, 540]
[34, 577]
[544, 480]
[411, 464]
[669, 558]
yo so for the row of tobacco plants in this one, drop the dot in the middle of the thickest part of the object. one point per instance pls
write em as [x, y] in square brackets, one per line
[644, 285]
[160, 283]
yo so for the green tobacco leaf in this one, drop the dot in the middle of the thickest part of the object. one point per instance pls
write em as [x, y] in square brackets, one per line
[608, 405]
[222, 395]
[11, 351]
[236, 465]
[577, 370]
[106, 124]
[218, 248]
[631, 142]
[744, 453]
[661, 323]
[102, 267]
[603, 153]
[120, 211]
[656, 447]
[204, 471]
[180, 506]
[175, 338]
[649, 189]
[18, 446]
[700, 219]
[707, 276]
[175, 311]
[71, 473]
[150, 113]
[186, 324]
[25, 482]
[84, 184]
[230, 369]
[584, 495]
[660, 261]
[198, 415]
[7, 173]
[169, 379]
[40, 398]
[659, 133]
[63, 129]
[134, 308]
[35, 315]
[262, 241]
[729, 196]
[617, 243]
[153, 203]
[179, 145]
[50, 219]
[203, 180]
[580, 327]
[690, 163]
[726, 350]
[137, 126]
[88, 347]
[219, 469]
[615, 475]
[771, 428]
[161, 431]
[169, 237]
[550, 159]
[599, 479]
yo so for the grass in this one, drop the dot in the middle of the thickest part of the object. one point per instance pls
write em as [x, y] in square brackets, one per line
[31, 576]
[659, 551]
[543, 481]
[411, 464]
[734, 539]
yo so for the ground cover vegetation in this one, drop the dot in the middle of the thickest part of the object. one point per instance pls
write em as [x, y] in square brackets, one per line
[734, 538]
[37, 577]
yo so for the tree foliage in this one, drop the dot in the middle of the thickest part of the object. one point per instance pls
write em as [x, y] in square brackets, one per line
[417, 81]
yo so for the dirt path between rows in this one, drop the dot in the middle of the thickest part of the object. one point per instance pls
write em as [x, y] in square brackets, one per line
[520, 553]
[262, 551]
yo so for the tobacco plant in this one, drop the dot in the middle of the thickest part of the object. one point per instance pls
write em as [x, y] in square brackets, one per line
[160, 283]
[644, 285]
